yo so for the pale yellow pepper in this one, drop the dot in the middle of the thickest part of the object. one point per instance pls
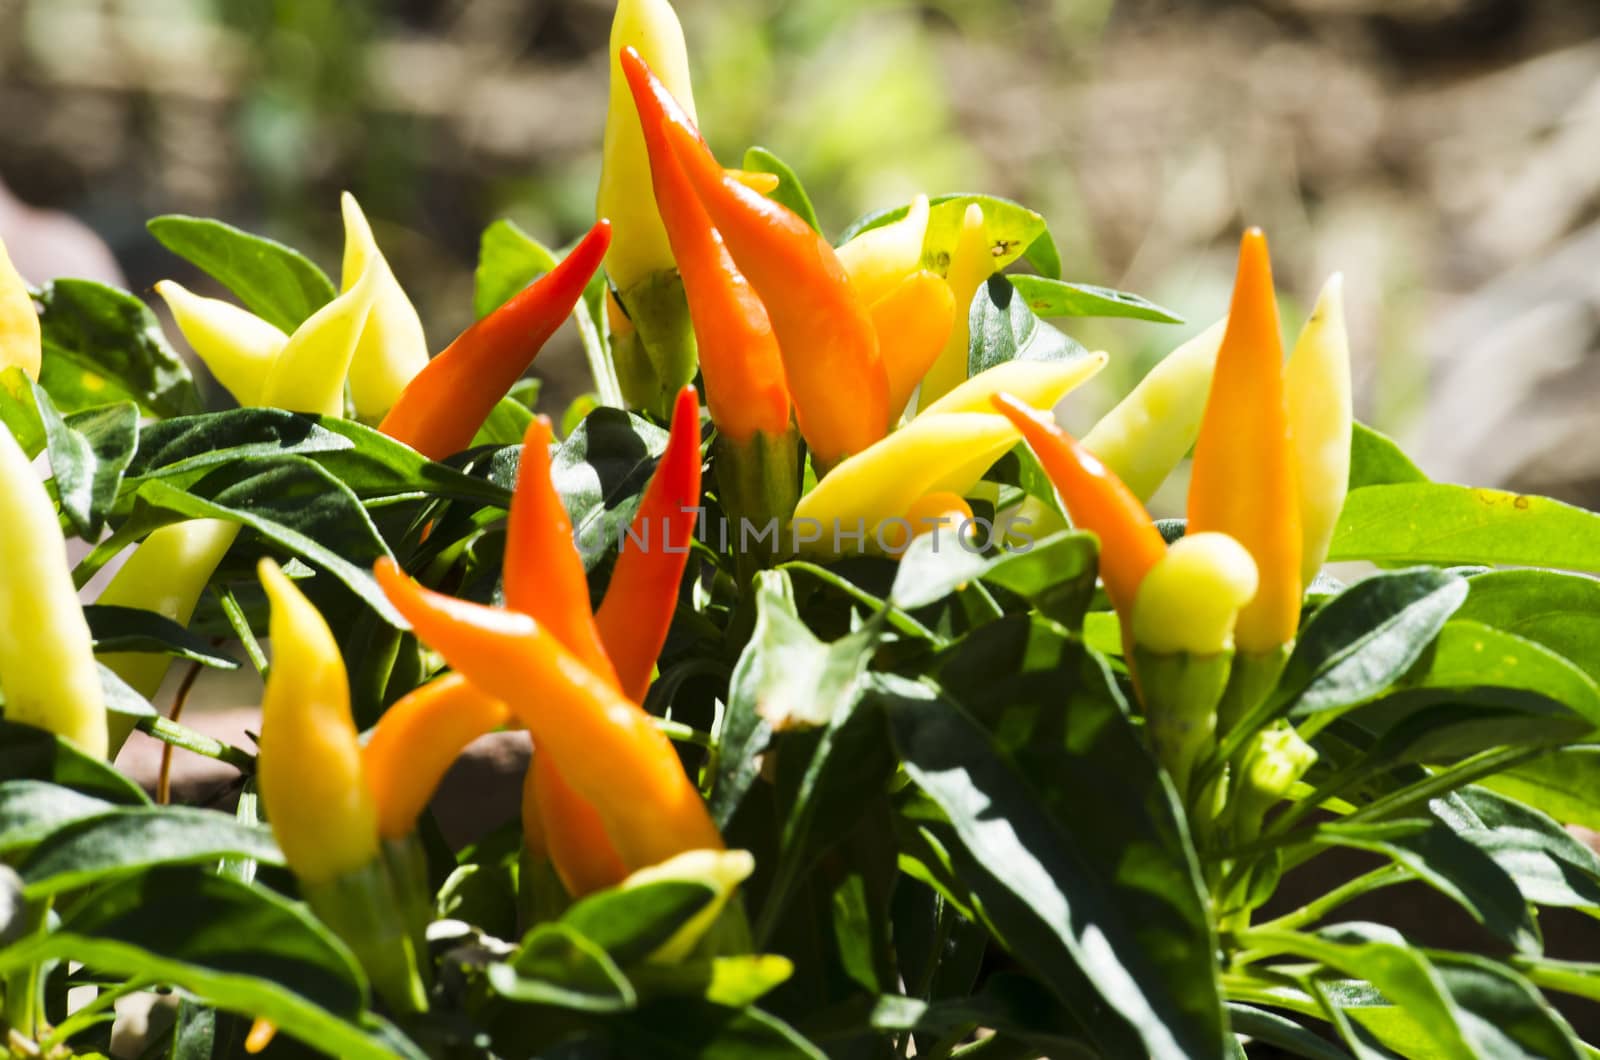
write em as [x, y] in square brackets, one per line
[1190, 600]
[639, 244]
[19, 323]
[47, 667]
[392, 348]
[1320, 421]
[971, 264]
[878, 259]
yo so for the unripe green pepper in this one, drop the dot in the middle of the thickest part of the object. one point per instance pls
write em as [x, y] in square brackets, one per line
[392, 348]
[1273, 761]
[47, 667]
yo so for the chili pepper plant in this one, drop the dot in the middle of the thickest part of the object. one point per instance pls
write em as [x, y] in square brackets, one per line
[869, 713]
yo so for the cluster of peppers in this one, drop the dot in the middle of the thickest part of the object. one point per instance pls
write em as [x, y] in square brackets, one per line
[1207, 623]
[858, 352]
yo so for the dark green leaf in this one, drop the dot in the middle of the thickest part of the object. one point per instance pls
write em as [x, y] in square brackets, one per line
[682, 1029]
[120, 842]
[232, 945]
[1263, 1025]
[789, 191]
[631, 923]
[135, 629]
[601, 470]
[27, 753]
[1055, 574]
[1364, 639]
[1375, 460]
[1549, 865]
[1057, 298]
[1002, 328]
[32, 809]
[508, 260]
[1113, 897]
[275, 282]
[558, 966]
[102, 345]
[89, 451]
[1434, 522]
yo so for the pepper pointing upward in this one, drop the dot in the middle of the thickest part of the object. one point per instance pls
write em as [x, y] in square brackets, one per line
[1244, 481]
[825, 334]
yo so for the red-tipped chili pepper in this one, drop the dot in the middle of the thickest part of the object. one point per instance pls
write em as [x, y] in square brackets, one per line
[825, 334]
[739, 355]
[1096, 500]
[607, 747]
[643, 594]
[1243, 481]
[442, 408]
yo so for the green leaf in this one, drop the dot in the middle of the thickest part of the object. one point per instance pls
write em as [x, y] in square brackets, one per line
[1262, 1025]
[89, 451]
[1559, 611]
[1375, 460]
[733, 981]
[789, 191]
[1549, 865]
[124, 841]
[1058, 298]
[232, 945]
[1364, 639]
[556, 965]
[785, 678]
[601, 470]
[1012, 228]
[630, 923]
[27, 753]
[290, 502]
[1434, 522]
[19, 412]
[135, 629]
[508, 420]
[275, 282]
[1462, 872]
[1579, 978]
[32, 809]
[508, 260]
[1470, 660]
[1564, 784]
[1111, 898]
[1055, 574]
[184, 448]
[935, 565]
[1002, 328]
[102, 345]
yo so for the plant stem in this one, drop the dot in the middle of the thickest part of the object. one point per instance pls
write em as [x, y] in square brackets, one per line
[182, 736]
[1482, 764]
[1312, 911]
[606, 387]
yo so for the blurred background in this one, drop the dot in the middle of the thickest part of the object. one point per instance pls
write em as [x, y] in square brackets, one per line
[1444, 154]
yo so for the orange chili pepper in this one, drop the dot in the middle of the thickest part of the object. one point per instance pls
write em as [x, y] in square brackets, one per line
[1243, 480]
[825, 335]
[1096, 500]
[416, 740]
[739, 357]
[543, 577]
[912, 321]
[444, 405]
[607, 747]
[639, 603]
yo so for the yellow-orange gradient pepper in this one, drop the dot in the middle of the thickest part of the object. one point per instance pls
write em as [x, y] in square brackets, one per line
[19, 323]
[829, 347]
[1320, 419]
[606, 746]
[971, 263]
[1244, 478]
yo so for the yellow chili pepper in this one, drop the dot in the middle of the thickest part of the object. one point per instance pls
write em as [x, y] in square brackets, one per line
[19, 323]
[1320, 418]
[392, 348]
[1243, 483]
[235, 344]
[971, 263]
[47, 668]
[879, 258]
[639, 244]
[945, 449]
[912, 320]
[308, 375]
[312, 783]
[607, 748]
[1150, 431]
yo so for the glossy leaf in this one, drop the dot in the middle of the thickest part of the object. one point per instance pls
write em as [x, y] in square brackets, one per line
[1434, 522]
[601, 470]
[102, 345]
[1002, 328]
[27, 753]
[1058, 298]
[31, 809]
[789, 191]
[275, 282]
[137, 630]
